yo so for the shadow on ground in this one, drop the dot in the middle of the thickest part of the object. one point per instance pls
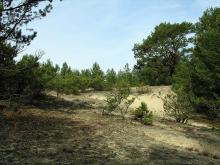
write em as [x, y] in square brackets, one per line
[53, 103]
[39, 136]
[162, 154]
[39, 140]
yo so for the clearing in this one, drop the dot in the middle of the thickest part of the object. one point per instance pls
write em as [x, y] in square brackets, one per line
[72, 130]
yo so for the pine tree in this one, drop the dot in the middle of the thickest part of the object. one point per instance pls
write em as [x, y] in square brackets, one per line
[205, 70]
[111, 78]
[97, 77]
[159, 54]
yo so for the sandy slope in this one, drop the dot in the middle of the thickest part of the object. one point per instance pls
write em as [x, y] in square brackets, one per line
[152, 99]
[197, 137]
[46, 136]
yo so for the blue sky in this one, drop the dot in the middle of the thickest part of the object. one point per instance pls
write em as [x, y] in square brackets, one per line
[81, 32]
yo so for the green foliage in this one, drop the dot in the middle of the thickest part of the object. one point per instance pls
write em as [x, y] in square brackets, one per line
[68, 80]
[148, 119]
[64, 80]
[154, 73]
[10, 104]
[181, 79]
[48, 73]
[8, 70]
[118, 100]
[58, 84]
[16, 14]
[159, 54]
[22, 78]
[126, 104]
[85, 80]
[165, 56]
[111, 78]
[65, 70]
[29, 82]
[113, 101]
[177, 106]
[143, 114]
[97, 77]
[126, 76]
[140, 111]
[205, 64]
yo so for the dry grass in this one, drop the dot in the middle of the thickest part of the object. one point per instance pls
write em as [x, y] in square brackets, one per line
[83, 136]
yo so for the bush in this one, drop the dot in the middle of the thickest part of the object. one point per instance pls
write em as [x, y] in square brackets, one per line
[177, 106]
[113, 102]
[118, 100]
[125, 106]
[148, 119]
[140, 111]
[143, 114]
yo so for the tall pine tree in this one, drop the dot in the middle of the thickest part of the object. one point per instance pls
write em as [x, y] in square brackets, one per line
[205, 70]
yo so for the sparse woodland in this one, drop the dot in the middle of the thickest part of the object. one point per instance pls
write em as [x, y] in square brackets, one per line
[185, 56]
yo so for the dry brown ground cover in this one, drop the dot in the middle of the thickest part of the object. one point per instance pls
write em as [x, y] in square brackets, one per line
[73, 131]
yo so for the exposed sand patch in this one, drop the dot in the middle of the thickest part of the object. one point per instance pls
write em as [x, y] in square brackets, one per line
[155, 104]
[153, 100]
[173, 135]
[82, 135]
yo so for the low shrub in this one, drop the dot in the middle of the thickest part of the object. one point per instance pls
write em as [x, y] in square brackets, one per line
[113, 102]
[148, 119]
[140, 111]
[118, 100]
[125, 106]
[143, 114]
[177, 106]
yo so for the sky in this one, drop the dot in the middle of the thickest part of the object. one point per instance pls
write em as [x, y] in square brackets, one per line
[81, 32]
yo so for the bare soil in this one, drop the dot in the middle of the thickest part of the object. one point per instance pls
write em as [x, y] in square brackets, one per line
[72, 130]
